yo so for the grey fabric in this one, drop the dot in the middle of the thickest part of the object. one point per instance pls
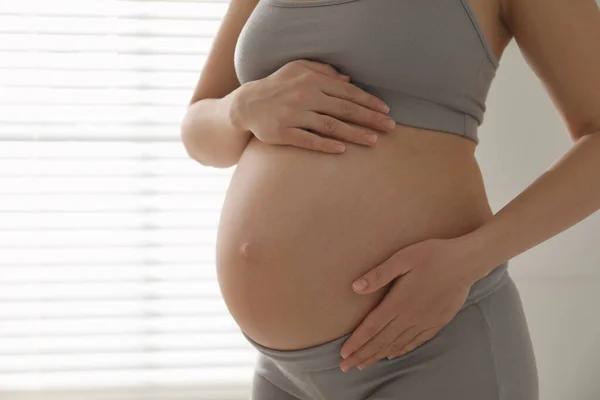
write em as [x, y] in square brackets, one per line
[484, 353]
[428, 59]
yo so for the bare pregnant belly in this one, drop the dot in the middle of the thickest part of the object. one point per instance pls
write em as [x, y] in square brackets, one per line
[298, 226]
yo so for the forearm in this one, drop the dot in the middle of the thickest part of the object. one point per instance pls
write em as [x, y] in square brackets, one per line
[568, 192]
[211, 134]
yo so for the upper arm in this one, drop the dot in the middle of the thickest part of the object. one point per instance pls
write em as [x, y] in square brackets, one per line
[218, 77]
[560, 40]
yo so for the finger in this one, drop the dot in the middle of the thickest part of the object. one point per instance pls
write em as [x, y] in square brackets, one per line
[418, 340]
[349, 111]
[381, 275]
[353, 93]
[330, 126]
[370, 326]
[404, 338]
[380, 341]
[325, 69]
[375, 346]
[307, 140]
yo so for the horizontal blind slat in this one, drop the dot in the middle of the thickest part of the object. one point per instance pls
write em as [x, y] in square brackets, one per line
[109, 254]
[107, 325]
[108, 43]
[99, 167]
[105, 273]
[102, 26]
[201, 341]
[93, 97]
[99, 291]
[213, 375]
[117, 220]
[111, 308]
[57, 62]
[98, 361]
[145, 185]
[112, 79]
[122, 8]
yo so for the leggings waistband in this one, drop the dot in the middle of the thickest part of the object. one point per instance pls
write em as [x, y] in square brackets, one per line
[316, 358]
[487, 285]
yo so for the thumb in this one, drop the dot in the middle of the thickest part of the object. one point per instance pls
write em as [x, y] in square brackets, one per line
[326, 69]
[380, 276]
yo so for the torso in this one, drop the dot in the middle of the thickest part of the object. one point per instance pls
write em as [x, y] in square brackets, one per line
[297, 226]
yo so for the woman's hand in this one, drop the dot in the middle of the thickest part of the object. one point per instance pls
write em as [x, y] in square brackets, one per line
[433, 283]
[306, 94]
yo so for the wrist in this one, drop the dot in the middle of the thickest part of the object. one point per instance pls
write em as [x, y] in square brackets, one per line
[477, 250]
[234, 102]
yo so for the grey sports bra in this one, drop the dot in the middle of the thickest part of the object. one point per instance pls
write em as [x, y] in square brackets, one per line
[427, 59]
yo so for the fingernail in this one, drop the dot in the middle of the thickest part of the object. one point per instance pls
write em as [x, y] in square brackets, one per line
[384, 108]
[360, 284]
[344, 368]
[340, 147]
[388, 123]
[371, 138]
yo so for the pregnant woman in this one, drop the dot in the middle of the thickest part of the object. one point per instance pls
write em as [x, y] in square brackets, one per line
[356, 230]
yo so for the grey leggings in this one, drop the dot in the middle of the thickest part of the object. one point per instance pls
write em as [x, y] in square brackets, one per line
[484, 353]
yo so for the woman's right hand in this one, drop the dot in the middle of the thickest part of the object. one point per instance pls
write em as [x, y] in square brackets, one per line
[305, 94]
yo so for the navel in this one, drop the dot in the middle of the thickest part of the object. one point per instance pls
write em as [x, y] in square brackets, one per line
[248, 250]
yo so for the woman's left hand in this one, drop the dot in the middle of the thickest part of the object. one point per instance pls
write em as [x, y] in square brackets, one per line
[434, 279]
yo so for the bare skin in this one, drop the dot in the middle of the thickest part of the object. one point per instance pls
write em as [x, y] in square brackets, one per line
[293, 214]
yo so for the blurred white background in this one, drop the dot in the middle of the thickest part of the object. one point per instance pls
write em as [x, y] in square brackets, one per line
[107, 228]
[107, 283]
[559, 279]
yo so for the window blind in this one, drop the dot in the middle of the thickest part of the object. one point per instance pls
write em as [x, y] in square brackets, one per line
[107, 229]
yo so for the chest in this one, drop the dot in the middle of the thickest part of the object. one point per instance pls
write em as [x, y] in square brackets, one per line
[397, 44]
